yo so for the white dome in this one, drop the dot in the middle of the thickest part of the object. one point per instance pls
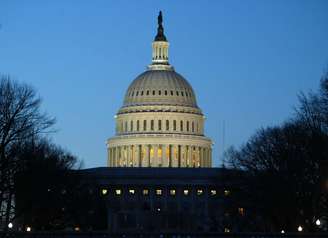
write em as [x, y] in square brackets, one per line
[160, 87]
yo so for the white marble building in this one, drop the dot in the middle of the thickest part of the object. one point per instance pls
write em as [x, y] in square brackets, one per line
[159, 124]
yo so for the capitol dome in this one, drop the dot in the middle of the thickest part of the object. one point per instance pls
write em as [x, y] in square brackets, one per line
[159, 123]
[164, 87]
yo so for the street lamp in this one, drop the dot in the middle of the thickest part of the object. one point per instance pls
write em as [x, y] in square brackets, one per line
[282, 232]
[317, 222]
[10, 225]
[300, 228]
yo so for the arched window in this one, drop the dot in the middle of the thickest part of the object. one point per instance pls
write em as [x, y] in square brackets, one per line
[137, 93]
[167, 125]
[141, 93]
[174, 125]
[159, 125]
[152, 125]
[147, 92]
[181, 93]
[132, 93]
[165, 92]
[186, 94]
[145, 125]
[138, 125]
[159, 92]
[153, 92]
[177, 93]
[171, 93]
[181, 125]
[187, 125]
[193, 126]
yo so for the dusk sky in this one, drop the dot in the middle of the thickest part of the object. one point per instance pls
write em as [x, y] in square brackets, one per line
[246, 61]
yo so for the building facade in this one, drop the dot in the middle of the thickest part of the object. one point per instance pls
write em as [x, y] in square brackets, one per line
[160, 124]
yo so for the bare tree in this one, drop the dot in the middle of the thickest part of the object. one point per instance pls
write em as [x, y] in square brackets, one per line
[20, 119]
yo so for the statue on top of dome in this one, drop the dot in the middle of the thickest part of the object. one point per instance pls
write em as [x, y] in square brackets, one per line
[160, 30]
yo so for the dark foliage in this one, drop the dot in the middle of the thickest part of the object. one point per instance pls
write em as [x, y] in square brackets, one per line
[285, 166]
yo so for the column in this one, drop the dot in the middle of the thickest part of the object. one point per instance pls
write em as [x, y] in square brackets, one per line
[137, 156]
[190, 157]
[183, 156]
[171, 159]
[210, 158]
[155, 161]
[146, 157]
[201, 158]
[164, 156]
[175, 156]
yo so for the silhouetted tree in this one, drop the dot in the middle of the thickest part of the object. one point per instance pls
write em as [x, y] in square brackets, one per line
[284, 163]
[20, 120]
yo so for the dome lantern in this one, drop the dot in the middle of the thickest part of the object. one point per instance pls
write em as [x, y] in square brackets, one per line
[160, 45]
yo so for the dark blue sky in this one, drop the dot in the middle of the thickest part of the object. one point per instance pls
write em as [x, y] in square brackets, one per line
[246, 60]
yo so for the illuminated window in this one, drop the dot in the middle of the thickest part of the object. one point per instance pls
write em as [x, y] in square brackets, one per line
[118, 191]
[145, 192]
[172, 192]
[186, 192]
[104, 191]
[199, 192]
[159, 192]
[241, 211]
[132, 191]
[226, 230]
[227, 192]
[213, 192]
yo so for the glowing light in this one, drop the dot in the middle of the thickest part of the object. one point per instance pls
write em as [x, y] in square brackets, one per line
[317, 222]
[131, 191]
[104, 191]
[213, 192]
[158, 191]
[172, 192]
[199, 192]
[77, 228]
[118, 191]
[226, 192]
[300, 228]
[10, 225]
[226, 230]
[282, 232]
[186, 192]
[28, 229]
[145, 192]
